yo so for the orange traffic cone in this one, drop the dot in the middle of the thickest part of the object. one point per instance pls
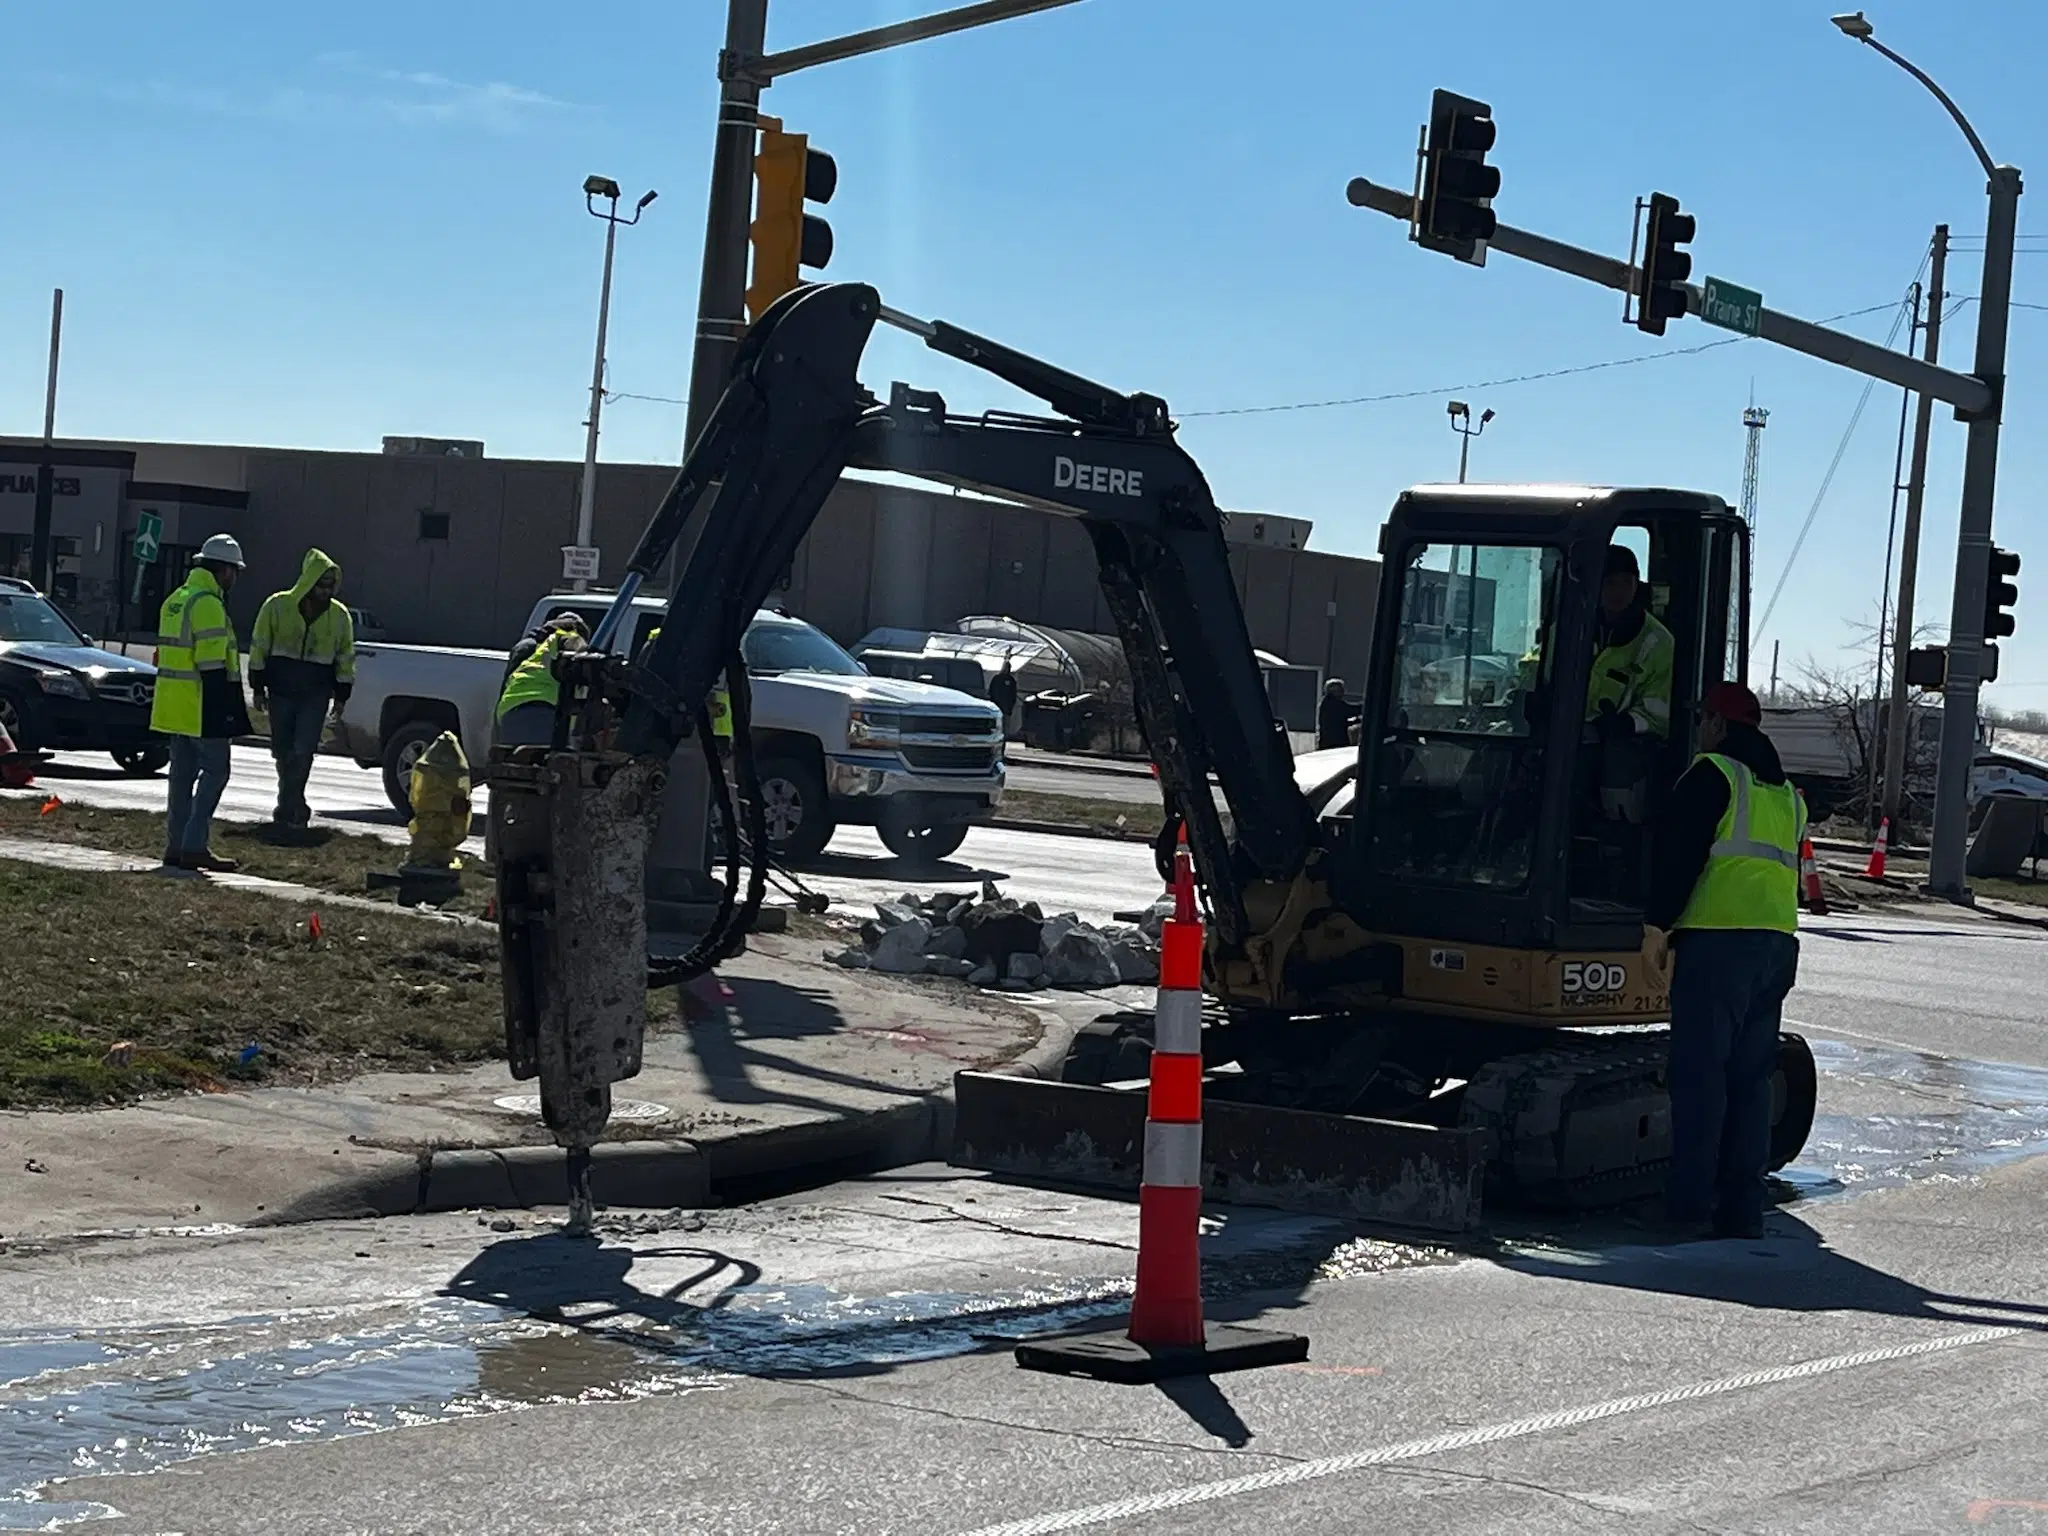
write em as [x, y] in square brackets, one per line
[1809, 880]
[1166, 1336]
[1874, 870]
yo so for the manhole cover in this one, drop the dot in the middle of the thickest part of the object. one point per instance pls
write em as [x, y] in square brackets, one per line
[622, 1109]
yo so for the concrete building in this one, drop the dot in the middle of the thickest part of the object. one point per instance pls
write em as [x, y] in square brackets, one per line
[446, 546]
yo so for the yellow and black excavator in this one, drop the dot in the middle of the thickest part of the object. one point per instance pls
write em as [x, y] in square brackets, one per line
[1425, 954]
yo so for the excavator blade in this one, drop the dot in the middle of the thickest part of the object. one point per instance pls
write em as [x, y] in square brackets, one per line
[1340, 1165]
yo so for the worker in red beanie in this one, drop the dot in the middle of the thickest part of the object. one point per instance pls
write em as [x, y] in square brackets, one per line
[1724, 907]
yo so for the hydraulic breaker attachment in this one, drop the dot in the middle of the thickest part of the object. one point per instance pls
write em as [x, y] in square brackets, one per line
[1252, 1154]
[572, 830]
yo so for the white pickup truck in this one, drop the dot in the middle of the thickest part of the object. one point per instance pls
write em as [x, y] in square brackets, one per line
[834, 745]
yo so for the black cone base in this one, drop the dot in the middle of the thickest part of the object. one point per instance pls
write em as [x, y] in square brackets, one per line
[1113, 1357]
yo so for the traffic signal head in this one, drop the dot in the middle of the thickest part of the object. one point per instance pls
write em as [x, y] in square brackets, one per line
[2000, 593]
[1454, 207]
[1660, 295]
[787, 174]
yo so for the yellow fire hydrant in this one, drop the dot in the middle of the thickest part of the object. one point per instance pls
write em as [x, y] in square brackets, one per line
[440, 805]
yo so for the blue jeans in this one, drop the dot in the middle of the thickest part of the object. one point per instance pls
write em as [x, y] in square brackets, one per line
[297, 721]
[199, 772]
[1727, 997]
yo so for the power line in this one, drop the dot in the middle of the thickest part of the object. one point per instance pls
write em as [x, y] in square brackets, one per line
[1827, 480]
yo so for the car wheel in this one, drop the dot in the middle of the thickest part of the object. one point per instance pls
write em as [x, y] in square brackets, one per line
[14, 716]
[141, 762]
[921, 845]
[794, 808]
[401, 751]
[1795, 1094]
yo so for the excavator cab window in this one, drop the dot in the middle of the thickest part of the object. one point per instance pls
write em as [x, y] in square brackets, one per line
[1455, 793]
[1681, 630]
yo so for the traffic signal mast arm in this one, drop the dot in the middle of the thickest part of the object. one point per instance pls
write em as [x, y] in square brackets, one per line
[794, 416]
[1967, 393]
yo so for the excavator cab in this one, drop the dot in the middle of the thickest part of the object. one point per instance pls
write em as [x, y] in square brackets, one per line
[1529, 707]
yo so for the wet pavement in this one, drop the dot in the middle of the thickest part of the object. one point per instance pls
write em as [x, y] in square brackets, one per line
[451, 1320]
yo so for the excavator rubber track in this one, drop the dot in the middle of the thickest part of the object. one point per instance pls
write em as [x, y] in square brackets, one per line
[1584, 1125]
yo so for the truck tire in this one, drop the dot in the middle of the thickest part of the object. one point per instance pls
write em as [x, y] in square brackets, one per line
[793, 803]
[921, 844]
[401, 750]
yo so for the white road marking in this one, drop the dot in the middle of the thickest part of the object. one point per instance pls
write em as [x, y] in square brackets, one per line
[1486, 1434]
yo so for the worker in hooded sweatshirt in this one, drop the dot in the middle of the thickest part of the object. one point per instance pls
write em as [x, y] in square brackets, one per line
[302, 663]
[1724, 911]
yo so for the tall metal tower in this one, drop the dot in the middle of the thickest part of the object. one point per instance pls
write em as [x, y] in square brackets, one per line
[1753, 420]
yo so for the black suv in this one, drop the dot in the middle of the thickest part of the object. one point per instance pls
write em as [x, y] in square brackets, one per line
[60, 692]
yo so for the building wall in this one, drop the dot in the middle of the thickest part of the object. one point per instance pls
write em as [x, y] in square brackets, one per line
[454, 551]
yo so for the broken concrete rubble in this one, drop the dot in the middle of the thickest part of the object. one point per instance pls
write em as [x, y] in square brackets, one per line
[991, 940]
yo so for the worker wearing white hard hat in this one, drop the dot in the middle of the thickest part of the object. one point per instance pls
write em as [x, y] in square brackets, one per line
[198, 703]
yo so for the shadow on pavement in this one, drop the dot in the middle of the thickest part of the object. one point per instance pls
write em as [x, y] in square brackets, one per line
[860, 866]
[1791, 1269]
[582, 1284]
[1203, 1401]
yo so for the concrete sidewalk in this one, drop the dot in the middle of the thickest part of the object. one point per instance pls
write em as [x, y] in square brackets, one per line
[808, 1071]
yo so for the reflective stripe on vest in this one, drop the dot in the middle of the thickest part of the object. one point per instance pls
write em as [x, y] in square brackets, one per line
[533, 680]
[1751, 878]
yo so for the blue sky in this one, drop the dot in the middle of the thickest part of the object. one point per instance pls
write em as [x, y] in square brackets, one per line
[313, 226]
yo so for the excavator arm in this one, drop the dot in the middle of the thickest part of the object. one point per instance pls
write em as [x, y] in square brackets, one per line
[574, 819]
[795, 416]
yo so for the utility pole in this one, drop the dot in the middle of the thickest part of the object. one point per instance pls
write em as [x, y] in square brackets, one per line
[46, 471]
[1909, 543]
[1873, 757]
[722, 287]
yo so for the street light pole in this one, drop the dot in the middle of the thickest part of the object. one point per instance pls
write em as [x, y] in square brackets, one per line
[40, 566]
[1946, 874]
[1461, 423]
[595, 187]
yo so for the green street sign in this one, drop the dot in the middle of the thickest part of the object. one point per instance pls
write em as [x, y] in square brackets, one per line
[1730, 307]
[149, 534]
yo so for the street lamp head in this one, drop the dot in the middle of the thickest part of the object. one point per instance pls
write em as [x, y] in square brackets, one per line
[1485, 417]
[650, 196]
[600, 186]
[1853, 25]
[1460, 408]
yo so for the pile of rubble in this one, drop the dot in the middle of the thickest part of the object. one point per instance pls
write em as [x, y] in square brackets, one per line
[994, 941]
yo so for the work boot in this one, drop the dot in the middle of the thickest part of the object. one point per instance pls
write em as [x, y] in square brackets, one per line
[211, 862]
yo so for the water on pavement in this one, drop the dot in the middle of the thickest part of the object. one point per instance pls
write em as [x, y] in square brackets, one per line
[538, 1319]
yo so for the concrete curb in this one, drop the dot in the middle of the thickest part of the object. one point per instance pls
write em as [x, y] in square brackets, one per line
[662, 1174]
[1064, 829]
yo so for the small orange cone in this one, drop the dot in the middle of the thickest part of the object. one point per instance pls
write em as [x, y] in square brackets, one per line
[1874, 870]
[50, 805]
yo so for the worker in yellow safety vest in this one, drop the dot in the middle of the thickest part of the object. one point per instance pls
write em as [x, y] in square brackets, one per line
[198, 702]
[1629, 689]
[1723, 913]
[719, 703]
[302, 663]
[525, 716]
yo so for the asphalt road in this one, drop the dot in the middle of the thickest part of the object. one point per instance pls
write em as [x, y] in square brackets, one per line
[836, 1361]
